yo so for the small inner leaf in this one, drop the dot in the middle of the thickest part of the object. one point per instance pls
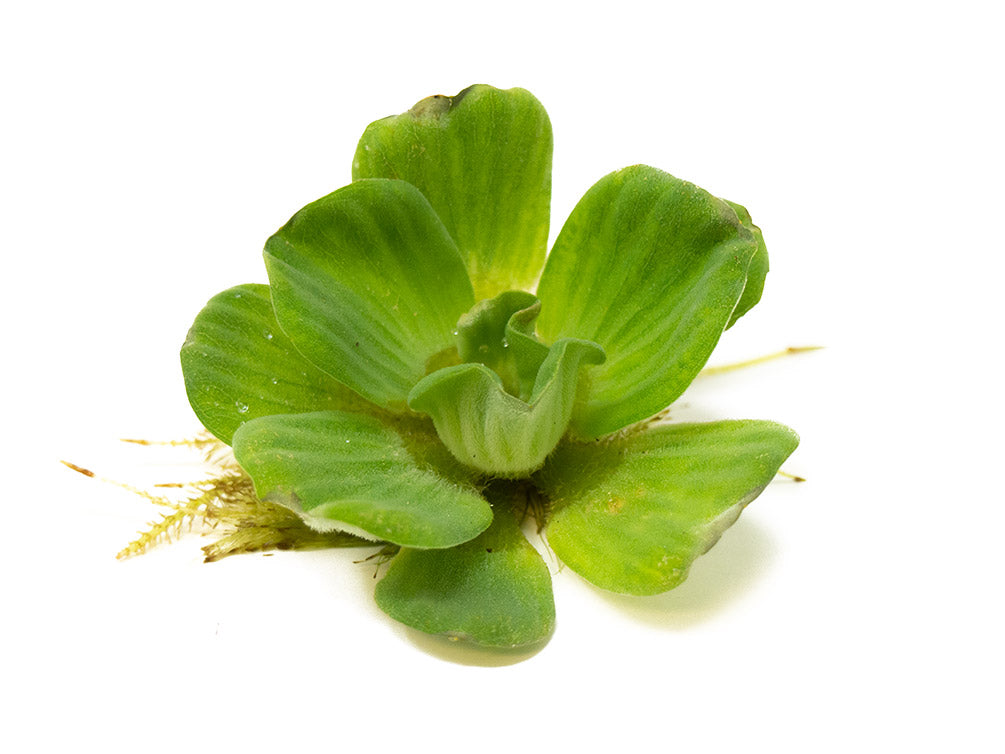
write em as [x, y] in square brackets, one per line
[490, 430]
[499, 333]
[352, 473]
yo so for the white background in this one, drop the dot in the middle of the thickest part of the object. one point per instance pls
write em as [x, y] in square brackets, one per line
[149, 149]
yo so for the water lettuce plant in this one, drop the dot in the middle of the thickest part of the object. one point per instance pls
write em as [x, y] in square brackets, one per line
[420, 372]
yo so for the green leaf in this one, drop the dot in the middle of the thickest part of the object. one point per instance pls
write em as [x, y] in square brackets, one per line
[526, 352]
[758, 269]
[499, 333]
[651, 268]
[492, 431]
[352, 473]
[494, 590]
[631, 514]
[483, 159]
[369, 285]
[239, 365]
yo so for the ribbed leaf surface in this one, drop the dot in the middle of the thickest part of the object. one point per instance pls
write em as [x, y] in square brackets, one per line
[494, 590]
[369, 286]
[483, 159]
[495, 432]
[351, 472]
[631, 514]
[239, 365]
[649, 267]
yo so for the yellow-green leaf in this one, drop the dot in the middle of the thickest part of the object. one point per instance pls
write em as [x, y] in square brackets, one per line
[632, 513]
[494, 590]
[649, 267]
[239, 365]
[483, 159]
[352, 473]
[368, 285]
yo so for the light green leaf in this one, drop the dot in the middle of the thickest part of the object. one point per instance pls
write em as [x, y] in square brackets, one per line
[483, 159]
[368, 285]
[650, 267]
[494, 590]
[239, 365]
[352, 473]
[631, 514]
[499, 333]
[758, 269]
[495, 432]
[526, 352]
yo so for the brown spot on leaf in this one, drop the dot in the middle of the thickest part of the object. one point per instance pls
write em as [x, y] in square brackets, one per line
[431, 107]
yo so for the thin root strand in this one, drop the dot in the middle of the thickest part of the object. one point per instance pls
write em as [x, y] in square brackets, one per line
[790, 351]
[793, 477]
